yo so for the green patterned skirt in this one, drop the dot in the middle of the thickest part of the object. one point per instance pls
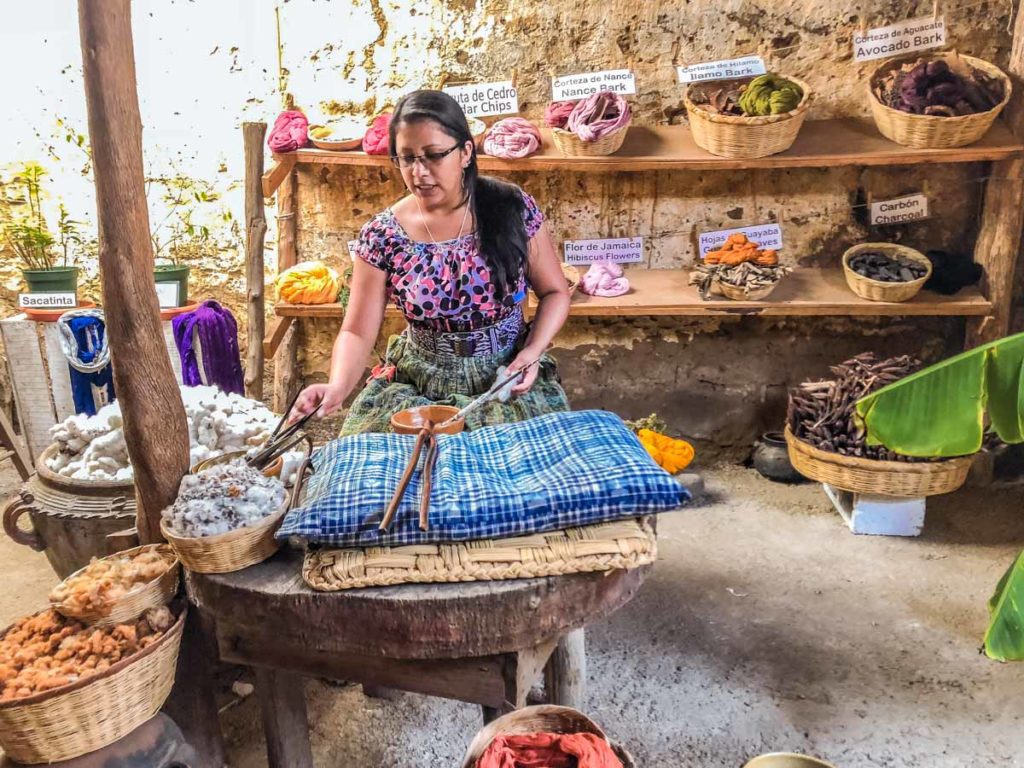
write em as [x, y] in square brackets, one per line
[422, 378]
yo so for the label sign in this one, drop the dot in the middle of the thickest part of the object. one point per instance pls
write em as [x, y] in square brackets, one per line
[484, 99]
[909, 35]
[48, 300]
[623, 250]
[580, 86]
[900, 210]
[352, 245]
[167, 295]
[727, 69]
[767, 237]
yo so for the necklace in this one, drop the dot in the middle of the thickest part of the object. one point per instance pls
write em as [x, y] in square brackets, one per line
[426, 226]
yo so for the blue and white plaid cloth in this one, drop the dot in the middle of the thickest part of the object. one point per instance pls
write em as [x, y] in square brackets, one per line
[544, 474]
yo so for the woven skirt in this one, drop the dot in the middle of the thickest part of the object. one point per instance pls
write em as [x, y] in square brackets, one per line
[420, 377]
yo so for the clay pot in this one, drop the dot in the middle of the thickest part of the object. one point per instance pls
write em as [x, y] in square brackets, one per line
[412, 420]
[771, 459]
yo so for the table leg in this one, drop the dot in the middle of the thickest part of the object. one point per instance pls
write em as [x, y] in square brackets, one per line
[282, 698]
[565, 674]
[192, 704]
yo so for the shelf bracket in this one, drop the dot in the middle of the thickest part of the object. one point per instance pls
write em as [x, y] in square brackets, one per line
[278, 172]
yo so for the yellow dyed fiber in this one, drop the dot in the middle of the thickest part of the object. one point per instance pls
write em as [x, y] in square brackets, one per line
[770, 95]
[671, 454]
[309, 282]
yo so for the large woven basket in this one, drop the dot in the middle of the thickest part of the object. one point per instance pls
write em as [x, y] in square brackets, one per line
[95, 711]
[603, 547]
[571, 145]
[930, 131]
[157, 592]
[908, 480]
[231, 551]
[542, 718]
[738, 293]
[878, 290]
[745, 137]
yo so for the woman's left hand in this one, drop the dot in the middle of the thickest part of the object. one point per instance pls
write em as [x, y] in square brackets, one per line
[522, 360]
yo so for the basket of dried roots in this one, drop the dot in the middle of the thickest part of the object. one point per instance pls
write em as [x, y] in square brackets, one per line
[827, 443]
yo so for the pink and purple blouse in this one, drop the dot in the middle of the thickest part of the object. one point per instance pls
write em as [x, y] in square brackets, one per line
[445, 286]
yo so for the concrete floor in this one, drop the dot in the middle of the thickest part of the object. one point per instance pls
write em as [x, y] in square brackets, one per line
[766, 625]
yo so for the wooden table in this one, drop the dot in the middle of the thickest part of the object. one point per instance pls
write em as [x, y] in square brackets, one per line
[486, 643]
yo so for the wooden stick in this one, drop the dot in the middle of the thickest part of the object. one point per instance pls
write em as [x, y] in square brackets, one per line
[428, 477]
[155, 428]
[283, 165]
[286, 225]
[255, 232]
[272, 339]
[396, 499]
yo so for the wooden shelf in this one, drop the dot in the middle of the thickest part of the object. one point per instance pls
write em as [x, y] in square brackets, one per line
[806, 292]
[820, 144]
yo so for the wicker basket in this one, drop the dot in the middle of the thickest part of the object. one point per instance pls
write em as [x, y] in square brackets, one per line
[572, 279]
[603, 547]
[542, 718]
[906, 480]
[93, 712]
[737, 293]
[746, 137]
[571, 145]
[231, 551]
[930, 131]
[137, 601]
[877, 290]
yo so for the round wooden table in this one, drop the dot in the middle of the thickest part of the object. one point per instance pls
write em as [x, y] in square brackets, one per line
[486, 643]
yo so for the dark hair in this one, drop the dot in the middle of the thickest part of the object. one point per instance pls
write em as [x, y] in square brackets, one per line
[497, 206]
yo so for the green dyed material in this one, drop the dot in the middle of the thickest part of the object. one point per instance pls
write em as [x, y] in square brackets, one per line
[770, 95]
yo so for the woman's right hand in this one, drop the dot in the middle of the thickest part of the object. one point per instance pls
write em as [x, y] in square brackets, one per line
[329, 396]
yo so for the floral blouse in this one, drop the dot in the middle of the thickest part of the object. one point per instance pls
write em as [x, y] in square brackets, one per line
[447, 286]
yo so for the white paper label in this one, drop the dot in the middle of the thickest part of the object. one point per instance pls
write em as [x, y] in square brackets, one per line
[167, 294]
[571, 87]
[727, 69]
[48, 300]
[905, 36]
[482, 99]
[900, 210]
[767, 237]
[623, 250]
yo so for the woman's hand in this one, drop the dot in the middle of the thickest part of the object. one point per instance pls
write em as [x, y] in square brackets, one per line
[522, 360]
[328, 396]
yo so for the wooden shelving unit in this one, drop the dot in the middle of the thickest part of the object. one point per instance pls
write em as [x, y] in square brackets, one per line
[806, 292]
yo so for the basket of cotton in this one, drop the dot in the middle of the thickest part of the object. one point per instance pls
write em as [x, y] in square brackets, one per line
[225, 517]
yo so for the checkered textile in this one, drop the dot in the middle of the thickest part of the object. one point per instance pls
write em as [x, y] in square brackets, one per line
[548, 473]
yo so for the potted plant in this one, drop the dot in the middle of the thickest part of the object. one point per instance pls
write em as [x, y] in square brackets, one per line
[940, 412]
[44, 258]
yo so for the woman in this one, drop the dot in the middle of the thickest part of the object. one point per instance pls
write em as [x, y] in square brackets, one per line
[456, 256]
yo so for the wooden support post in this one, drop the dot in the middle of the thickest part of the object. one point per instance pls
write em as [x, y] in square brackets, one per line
[287, 254]
[282, 697]
[286, 378]
[255, 232]
[565, 675]
[155, 428]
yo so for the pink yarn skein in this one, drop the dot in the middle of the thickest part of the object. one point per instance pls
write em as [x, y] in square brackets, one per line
[289, 132]
[604, 279]
[557, 113]
[375, 142]
[598, 115]
[512, 138]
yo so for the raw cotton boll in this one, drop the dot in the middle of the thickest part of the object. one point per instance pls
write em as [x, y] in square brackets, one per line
[223, 498]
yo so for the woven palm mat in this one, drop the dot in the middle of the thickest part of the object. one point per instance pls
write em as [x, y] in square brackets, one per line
[604, 547]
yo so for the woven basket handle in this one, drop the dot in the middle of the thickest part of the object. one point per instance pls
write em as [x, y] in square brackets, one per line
[15, 508]
[300, 477]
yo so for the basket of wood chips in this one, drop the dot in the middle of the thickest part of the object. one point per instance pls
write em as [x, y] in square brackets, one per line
[119, 588]
[67, 689]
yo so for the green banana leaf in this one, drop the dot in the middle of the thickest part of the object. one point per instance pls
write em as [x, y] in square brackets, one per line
[1004, 640]
[940, 411]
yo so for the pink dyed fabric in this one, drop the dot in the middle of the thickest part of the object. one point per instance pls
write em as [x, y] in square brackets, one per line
[512, 138]
[375, 142]
[604, 279]
[557, 113]
[598, 115]
[289, 132]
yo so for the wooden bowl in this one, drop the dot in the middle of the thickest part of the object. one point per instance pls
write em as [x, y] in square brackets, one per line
[337, 145]
[412, 420]
[787, 760]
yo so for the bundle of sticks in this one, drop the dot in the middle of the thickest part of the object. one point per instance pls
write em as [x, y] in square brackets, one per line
[823, 413]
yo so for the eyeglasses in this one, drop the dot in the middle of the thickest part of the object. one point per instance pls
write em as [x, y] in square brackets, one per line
[427, 158]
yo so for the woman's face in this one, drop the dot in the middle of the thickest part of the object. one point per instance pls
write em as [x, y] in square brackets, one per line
[436, 176]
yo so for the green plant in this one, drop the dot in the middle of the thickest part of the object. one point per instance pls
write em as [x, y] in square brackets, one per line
[26, 232]
[940, 412]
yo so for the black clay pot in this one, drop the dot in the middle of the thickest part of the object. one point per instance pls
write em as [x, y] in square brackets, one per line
[771, 459]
